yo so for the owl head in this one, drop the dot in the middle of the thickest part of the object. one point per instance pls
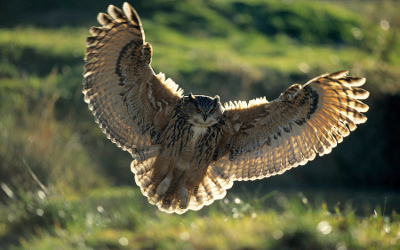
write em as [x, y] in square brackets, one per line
[203, 110]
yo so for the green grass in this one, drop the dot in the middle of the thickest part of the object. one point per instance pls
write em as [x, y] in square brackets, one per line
[251, 49]
[121, 218]
[59, 42]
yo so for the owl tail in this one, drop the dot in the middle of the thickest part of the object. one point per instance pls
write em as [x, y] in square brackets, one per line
[142, 167]
[212, 187]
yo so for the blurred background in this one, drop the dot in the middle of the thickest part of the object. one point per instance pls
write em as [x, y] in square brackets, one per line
[49, 143]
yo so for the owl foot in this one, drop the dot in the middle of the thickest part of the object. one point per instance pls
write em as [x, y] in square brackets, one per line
[183, 197]
[164, 185]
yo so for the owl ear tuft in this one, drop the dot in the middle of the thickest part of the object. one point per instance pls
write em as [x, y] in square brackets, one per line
[192, 97]
[216, 99]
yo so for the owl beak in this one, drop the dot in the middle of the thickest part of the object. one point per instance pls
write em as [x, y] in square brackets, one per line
[205, 117]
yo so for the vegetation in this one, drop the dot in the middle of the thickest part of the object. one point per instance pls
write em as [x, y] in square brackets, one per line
[65, 186]
[118, 218]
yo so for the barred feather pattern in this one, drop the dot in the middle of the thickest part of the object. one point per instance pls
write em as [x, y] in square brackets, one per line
[129, 102]
[204, 184]
[304, 121]
[212, 187]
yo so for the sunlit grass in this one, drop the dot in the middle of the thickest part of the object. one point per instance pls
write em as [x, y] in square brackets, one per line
[175, 52]
[117, 218]
[58, 42]
[34, 140]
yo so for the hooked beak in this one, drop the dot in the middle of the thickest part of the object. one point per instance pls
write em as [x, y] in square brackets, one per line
[205, 117]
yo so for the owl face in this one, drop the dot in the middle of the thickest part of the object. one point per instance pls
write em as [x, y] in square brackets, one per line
[202, 110]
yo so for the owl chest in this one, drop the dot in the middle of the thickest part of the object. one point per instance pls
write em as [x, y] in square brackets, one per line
[197, 132]
[190, 154]
[192, 146]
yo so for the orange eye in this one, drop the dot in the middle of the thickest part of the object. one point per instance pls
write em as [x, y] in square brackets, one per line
[197, 110]
[212, 111]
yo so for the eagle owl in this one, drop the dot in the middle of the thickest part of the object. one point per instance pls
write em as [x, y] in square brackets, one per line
[188, 150]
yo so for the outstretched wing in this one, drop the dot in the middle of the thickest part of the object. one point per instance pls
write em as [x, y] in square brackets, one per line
[129, 102]
[268, 138]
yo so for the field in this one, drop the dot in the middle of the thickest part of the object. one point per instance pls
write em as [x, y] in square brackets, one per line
[65, 186]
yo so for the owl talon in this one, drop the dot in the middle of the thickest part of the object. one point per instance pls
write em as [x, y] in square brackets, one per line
[163, 187]
[183, 198]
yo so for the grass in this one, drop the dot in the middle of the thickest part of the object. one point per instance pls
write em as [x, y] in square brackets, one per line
[59, 42]
[94, 221]
[253, 49]
[32, 138]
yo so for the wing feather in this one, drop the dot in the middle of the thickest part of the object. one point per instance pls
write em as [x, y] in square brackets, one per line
[129, 102]
[271, 137]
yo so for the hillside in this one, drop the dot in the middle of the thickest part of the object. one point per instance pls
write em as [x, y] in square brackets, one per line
[237, 49]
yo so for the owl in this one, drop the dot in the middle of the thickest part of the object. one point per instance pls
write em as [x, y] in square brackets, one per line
[188, 150]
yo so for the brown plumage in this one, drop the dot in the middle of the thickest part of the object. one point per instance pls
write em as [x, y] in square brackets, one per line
[188, 150]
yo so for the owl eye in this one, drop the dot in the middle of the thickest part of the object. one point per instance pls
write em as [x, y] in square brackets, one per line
[212, 111]
[197, 110]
